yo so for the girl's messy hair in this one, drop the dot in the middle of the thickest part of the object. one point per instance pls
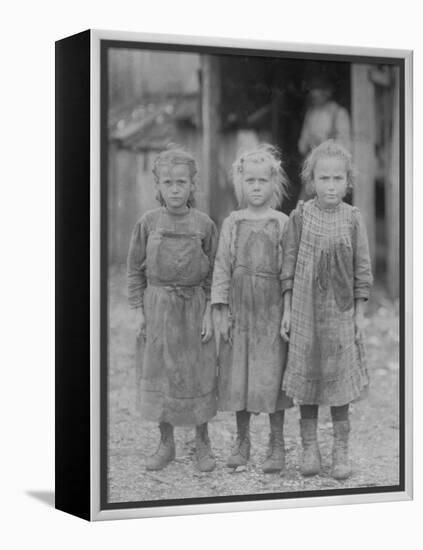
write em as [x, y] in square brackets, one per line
[329, 148]
[264, 153]
[172, 156]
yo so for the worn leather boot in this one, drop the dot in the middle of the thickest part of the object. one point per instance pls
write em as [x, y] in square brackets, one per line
[310, 465]
[166, 451]
[241, 451]
[341, 467]
[203, 454]
[275, 460]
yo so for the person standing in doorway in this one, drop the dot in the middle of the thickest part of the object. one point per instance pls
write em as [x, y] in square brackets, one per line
[324, 119]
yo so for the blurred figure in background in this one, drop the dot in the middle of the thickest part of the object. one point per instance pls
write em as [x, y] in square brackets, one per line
[324, 119]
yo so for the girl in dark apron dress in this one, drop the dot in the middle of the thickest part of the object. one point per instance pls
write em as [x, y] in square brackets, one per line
[170, 264]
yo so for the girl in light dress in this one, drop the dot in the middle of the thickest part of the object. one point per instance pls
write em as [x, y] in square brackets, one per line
[247, 298]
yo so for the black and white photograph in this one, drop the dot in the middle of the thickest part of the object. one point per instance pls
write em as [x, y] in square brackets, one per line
[211, 275]
[253, 274]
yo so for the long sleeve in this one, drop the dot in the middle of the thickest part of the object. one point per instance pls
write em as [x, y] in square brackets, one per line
[363, 278]
[136, 265]
[222, 267]
[343, 128]
[290, 245]
[304, 141]
[209, 249]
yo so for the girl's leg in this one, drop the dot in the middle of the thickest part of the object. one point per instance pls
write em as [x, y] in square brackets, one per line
[241, 451]
[341, 467]
[275, 461]
[203, 453]
[166, 451]
[308, 427]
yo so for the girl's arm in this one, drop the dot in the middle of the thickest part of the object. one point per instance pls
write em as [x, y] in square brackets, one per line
[222, 267]
[286, 318]
[136, 277]
[221, 283]
[359, 321]
[209, 247]
[363, 278]
[290, 246]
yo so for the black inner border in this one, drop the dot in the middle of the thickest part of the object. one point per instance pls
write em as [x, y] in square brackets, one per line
[105, 45]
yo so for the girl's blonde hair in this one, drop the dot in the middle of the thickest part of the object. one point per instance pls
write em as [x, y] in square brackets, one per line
[171, 157]
[264, 153]
[329, 148]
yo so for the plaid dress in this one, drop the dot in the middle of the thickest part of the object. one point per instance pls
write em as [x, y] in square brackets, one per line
[327, 266]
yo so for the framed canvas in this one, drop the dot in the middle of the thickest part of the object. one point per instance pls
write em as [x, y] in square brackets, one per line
[126, 447]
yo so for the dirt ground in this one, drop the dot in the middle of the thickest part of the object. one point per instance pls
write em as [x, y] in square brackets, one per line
[374, 439]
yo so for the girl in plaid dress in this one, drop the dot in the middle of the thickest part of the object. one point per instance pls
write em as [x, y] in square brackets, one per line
[246, 293]
[326, 277]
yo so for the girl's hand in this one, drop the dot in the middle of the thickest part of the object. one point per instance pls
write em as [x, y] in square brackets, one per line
[359, 322]
[359, 319]
[285, 326]
[140, 327]
[207, 326]
[225, 324]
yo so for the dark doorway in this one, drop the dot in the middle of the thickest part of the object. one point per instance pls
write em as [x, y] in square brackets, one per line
[270, 95]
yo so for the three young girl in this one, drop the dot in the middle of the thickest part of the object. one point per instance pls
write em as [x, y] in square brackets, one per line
[304, 281]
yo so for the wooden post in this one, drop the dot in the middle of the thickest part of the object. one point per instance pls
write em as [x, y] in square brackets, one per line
[363, 130]
[211, 126]
[392, 194]
[276, 109]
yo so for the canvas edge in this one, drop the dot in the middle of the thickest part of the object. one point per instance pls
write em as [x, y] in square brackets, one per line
[95, 239]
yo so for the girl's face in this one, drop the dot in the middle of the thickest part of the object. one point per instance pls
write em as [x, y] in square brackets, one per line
[330, 181]
[175, 185]
[257, 184]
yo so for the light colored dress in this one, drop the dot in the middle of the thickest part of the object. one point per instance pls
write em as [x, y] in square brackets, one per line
[327, 266]
[247, 277]
[170, 265]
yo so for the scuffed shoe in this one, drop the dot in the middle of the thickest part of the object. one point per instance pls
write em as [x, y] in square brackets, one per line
[205, 460]
[341, 466]
[275, 458]
[311, 461]
[166, 451]
[240, 453]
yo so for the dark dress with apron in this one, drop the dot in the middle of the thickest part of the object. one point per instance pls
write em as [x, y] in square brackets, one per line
[247, 277]
[170, 263]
